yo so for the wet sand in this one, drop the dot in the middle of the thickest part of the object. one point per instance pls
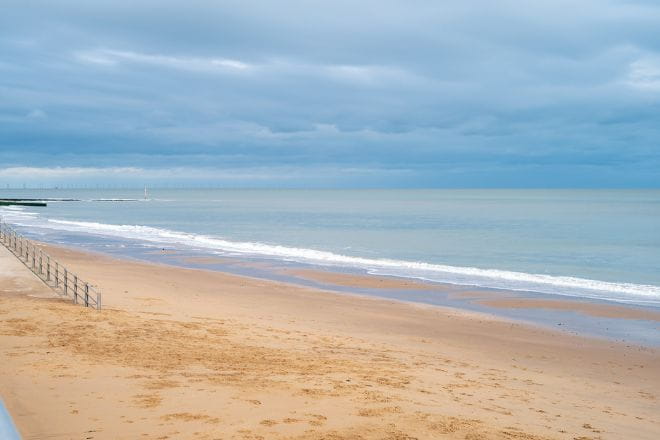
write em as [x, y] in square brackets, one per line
[364, 281]
[500, 299]
[591, 309]
[186, 353]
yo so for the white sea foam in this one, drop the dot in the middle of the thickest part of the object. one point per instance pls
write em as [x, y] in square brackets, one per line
[16, 212]
[493, 278]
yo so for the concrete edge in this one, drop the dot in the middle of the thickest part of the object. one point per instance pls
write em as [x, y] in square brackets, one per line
[8, 430]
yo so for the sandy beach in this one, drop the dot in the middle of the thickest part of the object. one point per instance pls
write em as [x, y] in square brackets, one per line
[188, 353]
[296, 220]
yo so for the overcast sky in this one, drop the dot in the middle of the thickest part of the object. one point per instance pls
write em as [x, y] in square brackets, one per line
[336, 93]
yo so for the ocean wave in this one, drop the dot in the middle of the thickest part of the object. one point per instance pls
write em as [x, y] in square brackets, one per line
[16, 212]
[491, 278]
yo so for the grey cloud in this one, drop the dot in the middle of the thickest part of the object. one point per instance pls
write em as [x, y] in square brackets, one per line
[419, 85]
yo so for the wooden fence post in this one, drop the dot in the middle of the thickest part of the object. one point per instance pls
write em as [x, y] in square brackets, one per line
[57, 274]
[86, 295]
[66, 283]
[75, 289]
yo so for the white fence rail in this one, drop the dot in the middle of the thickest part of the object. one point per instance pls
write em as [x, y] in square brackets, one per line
[57, 277]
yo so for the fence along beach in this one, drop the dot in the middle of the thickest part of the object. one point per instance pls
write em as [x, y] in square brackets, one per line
[50, 271]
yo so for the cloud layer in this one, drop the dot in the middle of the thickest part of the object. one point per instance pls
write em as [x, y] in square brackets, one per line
[413, 94]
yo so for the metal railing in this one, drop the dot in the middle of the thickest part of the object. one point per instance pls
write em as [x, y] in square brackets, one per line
[49, 270]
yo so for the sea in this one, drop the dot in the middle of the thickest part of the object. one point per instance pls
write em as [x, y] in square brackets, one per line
[597, 244]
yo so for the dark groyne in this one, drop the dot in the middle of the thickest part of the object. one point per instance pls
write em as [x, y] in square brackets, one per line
[10, 202]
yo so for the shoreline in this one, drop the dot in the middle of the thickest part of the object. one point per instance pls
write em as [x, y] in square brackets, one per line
[188, 353]
[641, 291]
[592, 318]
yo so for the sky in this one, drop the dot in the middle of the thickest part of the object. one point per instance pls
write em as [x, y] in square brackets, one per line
[406, 94]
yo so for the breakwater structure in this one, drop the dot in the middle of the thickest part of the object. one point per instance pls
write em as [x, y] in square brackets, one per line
[22, 202]
[61, 280]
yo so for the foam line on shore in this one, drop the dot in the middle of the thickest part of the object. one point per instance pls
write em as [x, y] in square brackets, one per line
[492, 278]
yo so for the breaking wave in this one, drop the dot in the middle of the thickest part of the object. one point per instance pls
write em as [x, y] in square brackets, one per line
[490, 278]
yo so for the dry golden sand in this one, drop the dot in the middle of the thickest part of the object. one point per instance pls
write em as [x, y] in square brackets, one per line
[182, 353]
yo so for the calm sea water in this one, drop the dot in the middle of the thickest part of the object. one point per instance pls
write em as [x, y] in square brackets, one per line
[601, 244]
